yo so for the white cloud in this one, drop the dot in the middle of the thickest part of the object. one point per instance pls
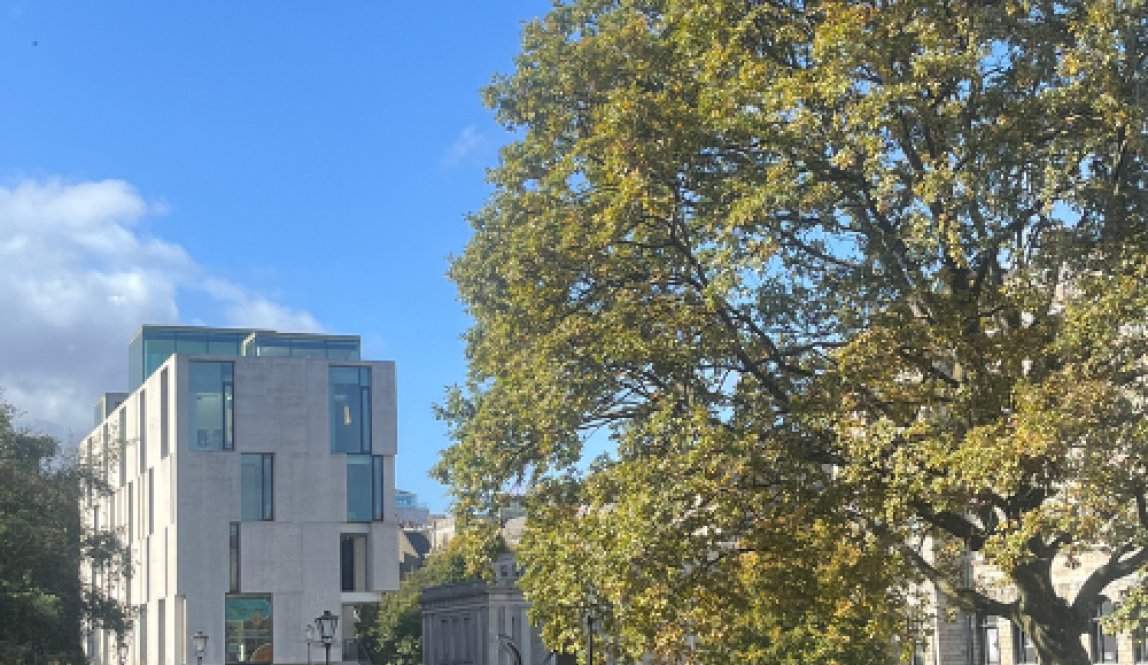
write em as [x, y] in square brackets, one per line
[469, 142]
[77, 279]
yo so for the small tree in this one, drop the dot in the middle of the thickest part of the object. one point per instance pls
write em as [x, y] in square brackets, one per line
[44, 604]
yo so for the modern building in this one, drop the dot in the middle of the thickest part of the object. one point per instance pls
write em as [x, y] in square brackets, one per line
[252, 475]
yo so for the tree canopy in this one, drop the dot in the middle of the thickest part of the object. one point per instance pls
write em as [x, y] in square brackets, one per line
[44, 602]
[853, 289]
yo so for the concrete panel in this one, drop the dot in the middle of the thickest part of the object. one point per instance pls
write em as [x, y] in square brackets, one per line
[384, 408]
[384, 553]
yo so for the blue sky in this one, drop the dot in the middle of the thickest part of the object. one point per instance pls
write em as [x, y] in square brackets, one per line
[298, 166]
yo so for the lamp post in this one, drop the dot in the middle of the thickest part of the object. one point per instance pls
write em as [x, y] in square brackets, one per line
[199, 641]
[590, 627]
[327, 624]
[309, 635]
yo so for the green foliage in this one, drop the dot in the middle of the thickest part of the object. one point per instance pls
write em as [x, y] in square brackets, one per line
[396, 636]
[43, 602]
[848, 284]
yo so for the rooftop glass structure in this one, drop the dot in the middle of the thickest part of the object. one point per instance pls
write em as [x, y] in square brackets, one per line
[151, 346]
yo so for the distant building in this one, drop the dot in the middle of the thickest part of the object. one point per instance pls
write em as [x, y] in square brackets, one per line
[414, 547]
[479, 623]
[253, 478]
[440, 531]
[408, 511]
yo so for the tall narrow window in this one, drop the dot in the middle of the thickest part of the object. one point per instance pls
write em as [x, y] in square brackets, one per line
[150, 501]
[147, 570]
[258, 486]
[989, 638]
[131, 521]
[1140, 644]
[143, 430]
[106, 453]
[141, 629]
[353, 561]
[233, 547]
[163, 407]
[350, 409]
[364, 488]
[211, 388]
[1103, 639]
[377, 487]
[1023, 649]
[123, 447]
[161, 630]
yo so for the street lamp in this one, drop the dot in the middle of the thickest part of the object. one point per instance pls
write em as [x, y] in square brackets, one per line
[327, 624]
[199, 641]
[590, 627]
[309, 635]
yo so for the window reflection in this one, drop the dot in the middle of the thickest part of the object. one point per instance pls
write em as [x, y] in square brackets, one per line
[350, 409]
[210, 389]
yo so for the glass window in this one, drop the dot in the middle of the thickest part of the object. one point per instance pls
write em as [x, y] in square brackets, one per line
[350, 407]
[364, 488]
[143, 430]
[353, 562]
[273, 347]
[248, 632]
[123, 444]
[161, 629]
[190, 343]
[360, 494]
[131, 518]
[258, 491]
[163, 395]
[211, 389]
[150, 501]
[106, 453]
[1023, 649]
[141, 630]
[308, 348]
[1140, 644]
[158, 347]
[990, 646]
[1103, 639]
[377, 487]
[233, 547]
[342, 350]
[223, 344]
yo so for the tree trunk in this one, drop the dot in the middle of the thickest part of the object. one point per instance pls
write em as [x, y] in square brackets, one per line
[1052, 624]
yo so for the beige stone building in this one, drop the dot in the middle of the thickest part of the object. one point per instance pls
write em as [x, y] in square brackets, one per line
[955, 638]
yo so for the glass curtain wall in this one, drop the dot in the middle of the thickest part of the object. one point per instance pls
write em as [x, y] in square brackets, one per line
[152, 348]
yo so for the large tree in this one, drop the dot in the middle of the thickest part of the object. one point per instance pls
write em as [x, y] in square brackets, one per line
[45, 602]
[853, 289]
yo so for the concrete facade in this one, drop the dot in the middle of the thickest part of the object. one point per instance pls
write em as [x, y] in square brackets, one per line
[179, 509]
